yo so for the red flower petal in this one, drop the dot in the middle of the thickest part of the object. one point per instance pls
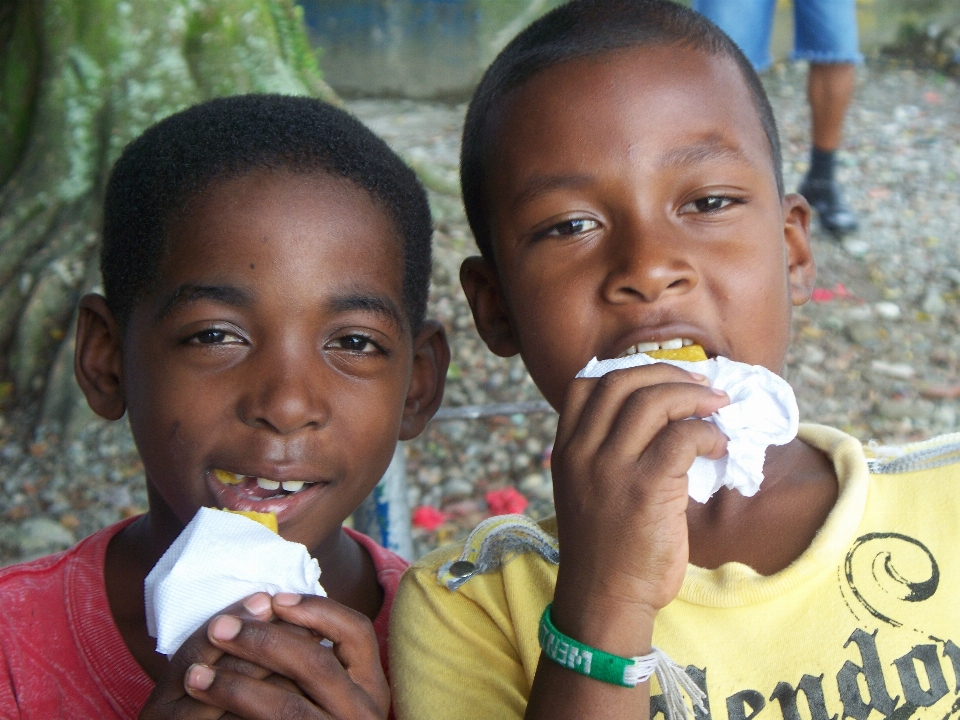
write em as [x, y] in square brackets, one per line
[506, 501]
[428, 518]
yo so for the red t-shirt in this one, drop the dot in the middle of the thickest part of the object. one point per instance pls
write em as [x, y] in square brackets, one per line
[61, 655]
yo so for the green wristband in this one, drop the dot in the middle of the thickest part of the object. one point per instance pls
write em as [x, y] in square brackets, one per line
[589, 661]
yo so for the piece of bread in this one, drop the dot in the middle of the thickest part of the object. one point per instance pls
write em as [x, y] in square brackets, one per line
[690, 353]
[267, 519]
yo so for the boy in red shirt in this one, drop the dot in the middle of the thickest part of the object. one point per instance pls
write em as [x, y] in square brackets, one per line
[266, 264]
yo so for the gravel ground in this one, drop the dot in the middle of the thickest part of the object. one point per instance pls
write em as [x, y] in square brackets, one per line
[877, 353]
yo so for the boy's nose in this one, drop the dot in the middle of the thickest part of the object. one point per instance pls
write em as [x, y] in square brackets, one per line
[644, 266]
[284, 397]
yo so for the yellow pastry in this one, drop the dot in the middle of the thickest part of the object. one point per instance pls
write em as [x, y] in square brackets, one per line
[228, 478]
[690, 353]
[267, 519]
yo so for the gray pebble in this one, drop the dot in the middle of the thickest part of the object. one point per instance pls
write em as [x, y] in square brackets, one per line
[41, 535]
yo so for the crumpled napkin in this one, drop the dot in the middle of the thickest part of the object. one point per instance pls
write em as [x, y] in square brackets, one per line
[762, 412]
[218, 559]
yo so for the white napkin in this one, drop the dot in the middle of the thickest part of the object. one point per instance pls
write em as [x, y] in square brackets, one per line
[218, 559]
[762, 412]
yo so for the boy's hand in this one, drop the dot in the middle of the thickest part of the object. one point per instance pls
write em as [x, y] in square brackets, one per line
[170, 699]
[247, 666]
[624, 445]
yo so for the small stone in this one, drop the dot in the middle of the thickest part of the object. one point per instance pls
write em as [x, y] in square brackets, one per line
[854, 247]
[41, 535]
[11, 451]
[946, 416]
[811, 376]
[901, 371]
[864, 333]
[457, 487]
[953, 274]
[898, 409]
[537, 485]
[933, 303]
[860, 313]
[887, 310]
[814, 355]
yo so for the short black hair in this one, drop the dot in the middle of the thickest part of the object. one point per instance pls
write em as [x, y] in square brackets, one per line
[174, 160]
[580, 29]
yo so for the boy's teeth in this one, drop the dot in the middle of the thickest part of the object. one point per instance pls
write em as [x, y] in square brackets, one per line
[645, 347]
[292, 485]
[267, 484]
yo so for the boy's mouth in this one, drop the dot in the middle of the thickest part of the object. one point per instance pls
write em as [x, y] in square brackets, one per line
[258, 488]
[645, 347]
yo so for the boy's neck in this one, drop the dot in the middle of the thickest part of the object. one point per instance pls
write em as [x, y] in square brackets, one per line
[774, 527]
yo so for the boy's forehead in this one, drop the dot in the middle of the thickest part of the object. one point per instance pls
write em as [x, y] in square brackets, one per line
[666, 94]
[293, 210]
[317, 228]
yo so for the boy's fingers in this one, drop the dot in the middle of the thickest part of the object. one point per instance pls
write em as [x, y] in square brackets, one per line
[354, 640]
[250, 669]
[647, 411]
[197, 649]
[314, 668]
[246, 697]
[673, 450]
[328, 696]
[592, 404]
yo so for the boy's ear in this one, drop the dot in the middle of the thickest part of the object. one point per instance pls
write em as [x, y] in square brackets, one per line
[800, 262]
[481, 285]
[97, 361]
[431, 357]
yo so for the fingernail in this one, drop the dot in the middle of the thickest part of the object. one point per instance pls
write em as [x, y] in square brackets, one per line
[199, 677]
[698, 377]
[257, 604]
[719, 392]
[285, 599]
[225, 627]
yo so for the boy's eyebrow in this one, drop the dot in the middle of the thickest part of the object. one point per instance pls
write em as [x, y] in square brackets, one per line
[229, 295]
[540, 184]
[375, 304]
[712, 148]
[189, 293]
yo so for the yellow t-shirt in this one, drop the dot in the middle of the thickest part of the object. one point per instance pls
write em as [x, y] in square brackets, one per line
[865, 623]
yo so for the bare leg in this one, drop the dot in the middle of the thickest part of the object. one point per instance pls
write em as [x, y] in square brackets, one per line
[829, 89]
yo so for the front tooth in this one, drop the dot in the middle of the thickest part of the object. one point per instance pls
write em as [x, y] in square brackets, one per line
[687, 342]
[647, 347]
[227, 477]
[267, 484]
[292, 485]
[674, 344]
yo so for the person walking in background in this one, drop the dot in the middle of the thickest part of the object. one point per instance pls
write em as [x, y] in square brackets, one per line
[826, 36]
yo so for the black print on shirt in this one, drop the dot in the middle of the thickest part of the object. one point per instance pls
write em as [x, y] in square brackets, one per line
[870, 571]
[871, 575]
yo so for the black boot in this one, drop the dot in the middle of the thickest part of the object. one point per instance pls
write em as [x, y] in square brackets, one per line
[822, 192]
[825, 197]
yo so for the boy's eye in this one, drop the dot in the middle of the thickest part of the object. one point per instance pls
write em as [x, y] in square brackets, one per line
[708, 204]
[360, 344]
[215, 336]
[570, 227]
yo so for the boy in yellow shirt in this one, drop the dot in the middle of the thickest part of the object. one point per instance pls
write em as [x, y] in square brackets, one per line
[621, 173]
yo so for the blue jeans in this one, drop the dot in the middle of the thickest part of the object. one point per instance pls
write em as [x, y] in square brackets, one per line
[825, 30]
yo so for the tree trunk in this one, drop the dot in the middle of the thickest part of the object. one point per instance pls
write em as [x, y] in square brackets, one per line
[79, 79]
